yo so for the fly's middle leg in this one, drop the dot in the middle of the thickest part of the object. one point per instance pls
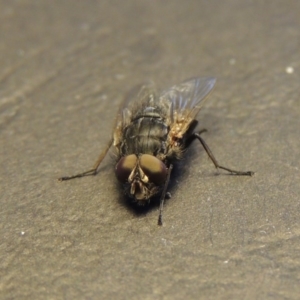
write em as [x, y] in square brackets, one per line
[197, 136]
[94, 170]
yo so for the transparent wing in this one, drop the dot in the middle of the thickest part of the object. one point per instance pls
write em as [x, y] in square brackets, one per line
[136, 100]
[187, 97]
[139, 98]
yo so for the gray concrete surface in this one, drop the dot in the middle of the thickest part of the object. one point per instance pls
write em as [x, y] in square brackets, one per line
[64, 68]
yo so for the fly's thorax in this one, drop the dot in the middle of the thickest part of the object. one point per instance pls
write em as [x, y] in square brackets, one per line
[146, 134]
[143, 174]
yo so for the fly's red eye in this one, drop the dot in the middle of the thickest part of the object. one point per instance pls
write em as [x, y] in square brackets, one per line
[124, 167]
[154, 168]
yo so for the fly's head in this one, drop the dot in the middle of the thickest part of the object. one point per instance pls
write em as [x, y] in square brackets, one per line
[142, 176]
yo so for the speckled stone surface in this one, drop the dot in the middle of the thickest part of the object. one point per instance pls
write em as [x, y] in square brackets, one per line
[65, 67]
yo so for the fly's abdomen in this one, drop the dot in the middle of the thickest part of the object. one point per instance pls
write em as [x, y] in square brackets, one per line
[145, 135]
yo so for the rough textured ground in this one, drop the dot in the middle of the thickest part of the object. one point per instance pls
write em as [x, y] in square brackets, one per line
[64, 68]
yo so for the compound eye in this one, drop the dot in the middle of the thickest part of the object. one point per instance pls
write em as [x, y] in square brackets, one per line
[124, 167]
[154, 168]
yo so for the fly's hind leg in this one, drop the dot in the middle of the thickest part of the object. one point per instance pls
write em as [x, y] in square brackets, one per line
[211, 156]
[92, 171]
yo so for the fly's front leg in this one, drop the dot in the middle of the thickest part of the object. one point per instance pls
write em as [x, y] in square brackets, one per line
[163, 196]
[92, 171]
[211, 156]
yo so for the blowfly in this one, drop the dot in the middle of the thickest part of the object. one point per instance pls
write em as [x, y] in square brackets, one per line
[152, 132]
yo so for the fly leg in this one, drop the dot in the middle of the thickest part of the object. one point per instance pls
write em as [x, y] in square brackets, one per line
[92, 171]
[211, 156]
[163, 195]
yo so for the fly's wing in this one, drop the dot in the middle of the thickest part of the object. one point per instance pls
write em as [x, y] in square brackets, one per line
[145, 97]
[186, 100]
[187, 97]
[137, 99]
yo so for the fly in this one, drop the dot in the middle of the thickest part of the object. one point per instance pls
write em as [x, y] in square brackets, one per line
[152, 132]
